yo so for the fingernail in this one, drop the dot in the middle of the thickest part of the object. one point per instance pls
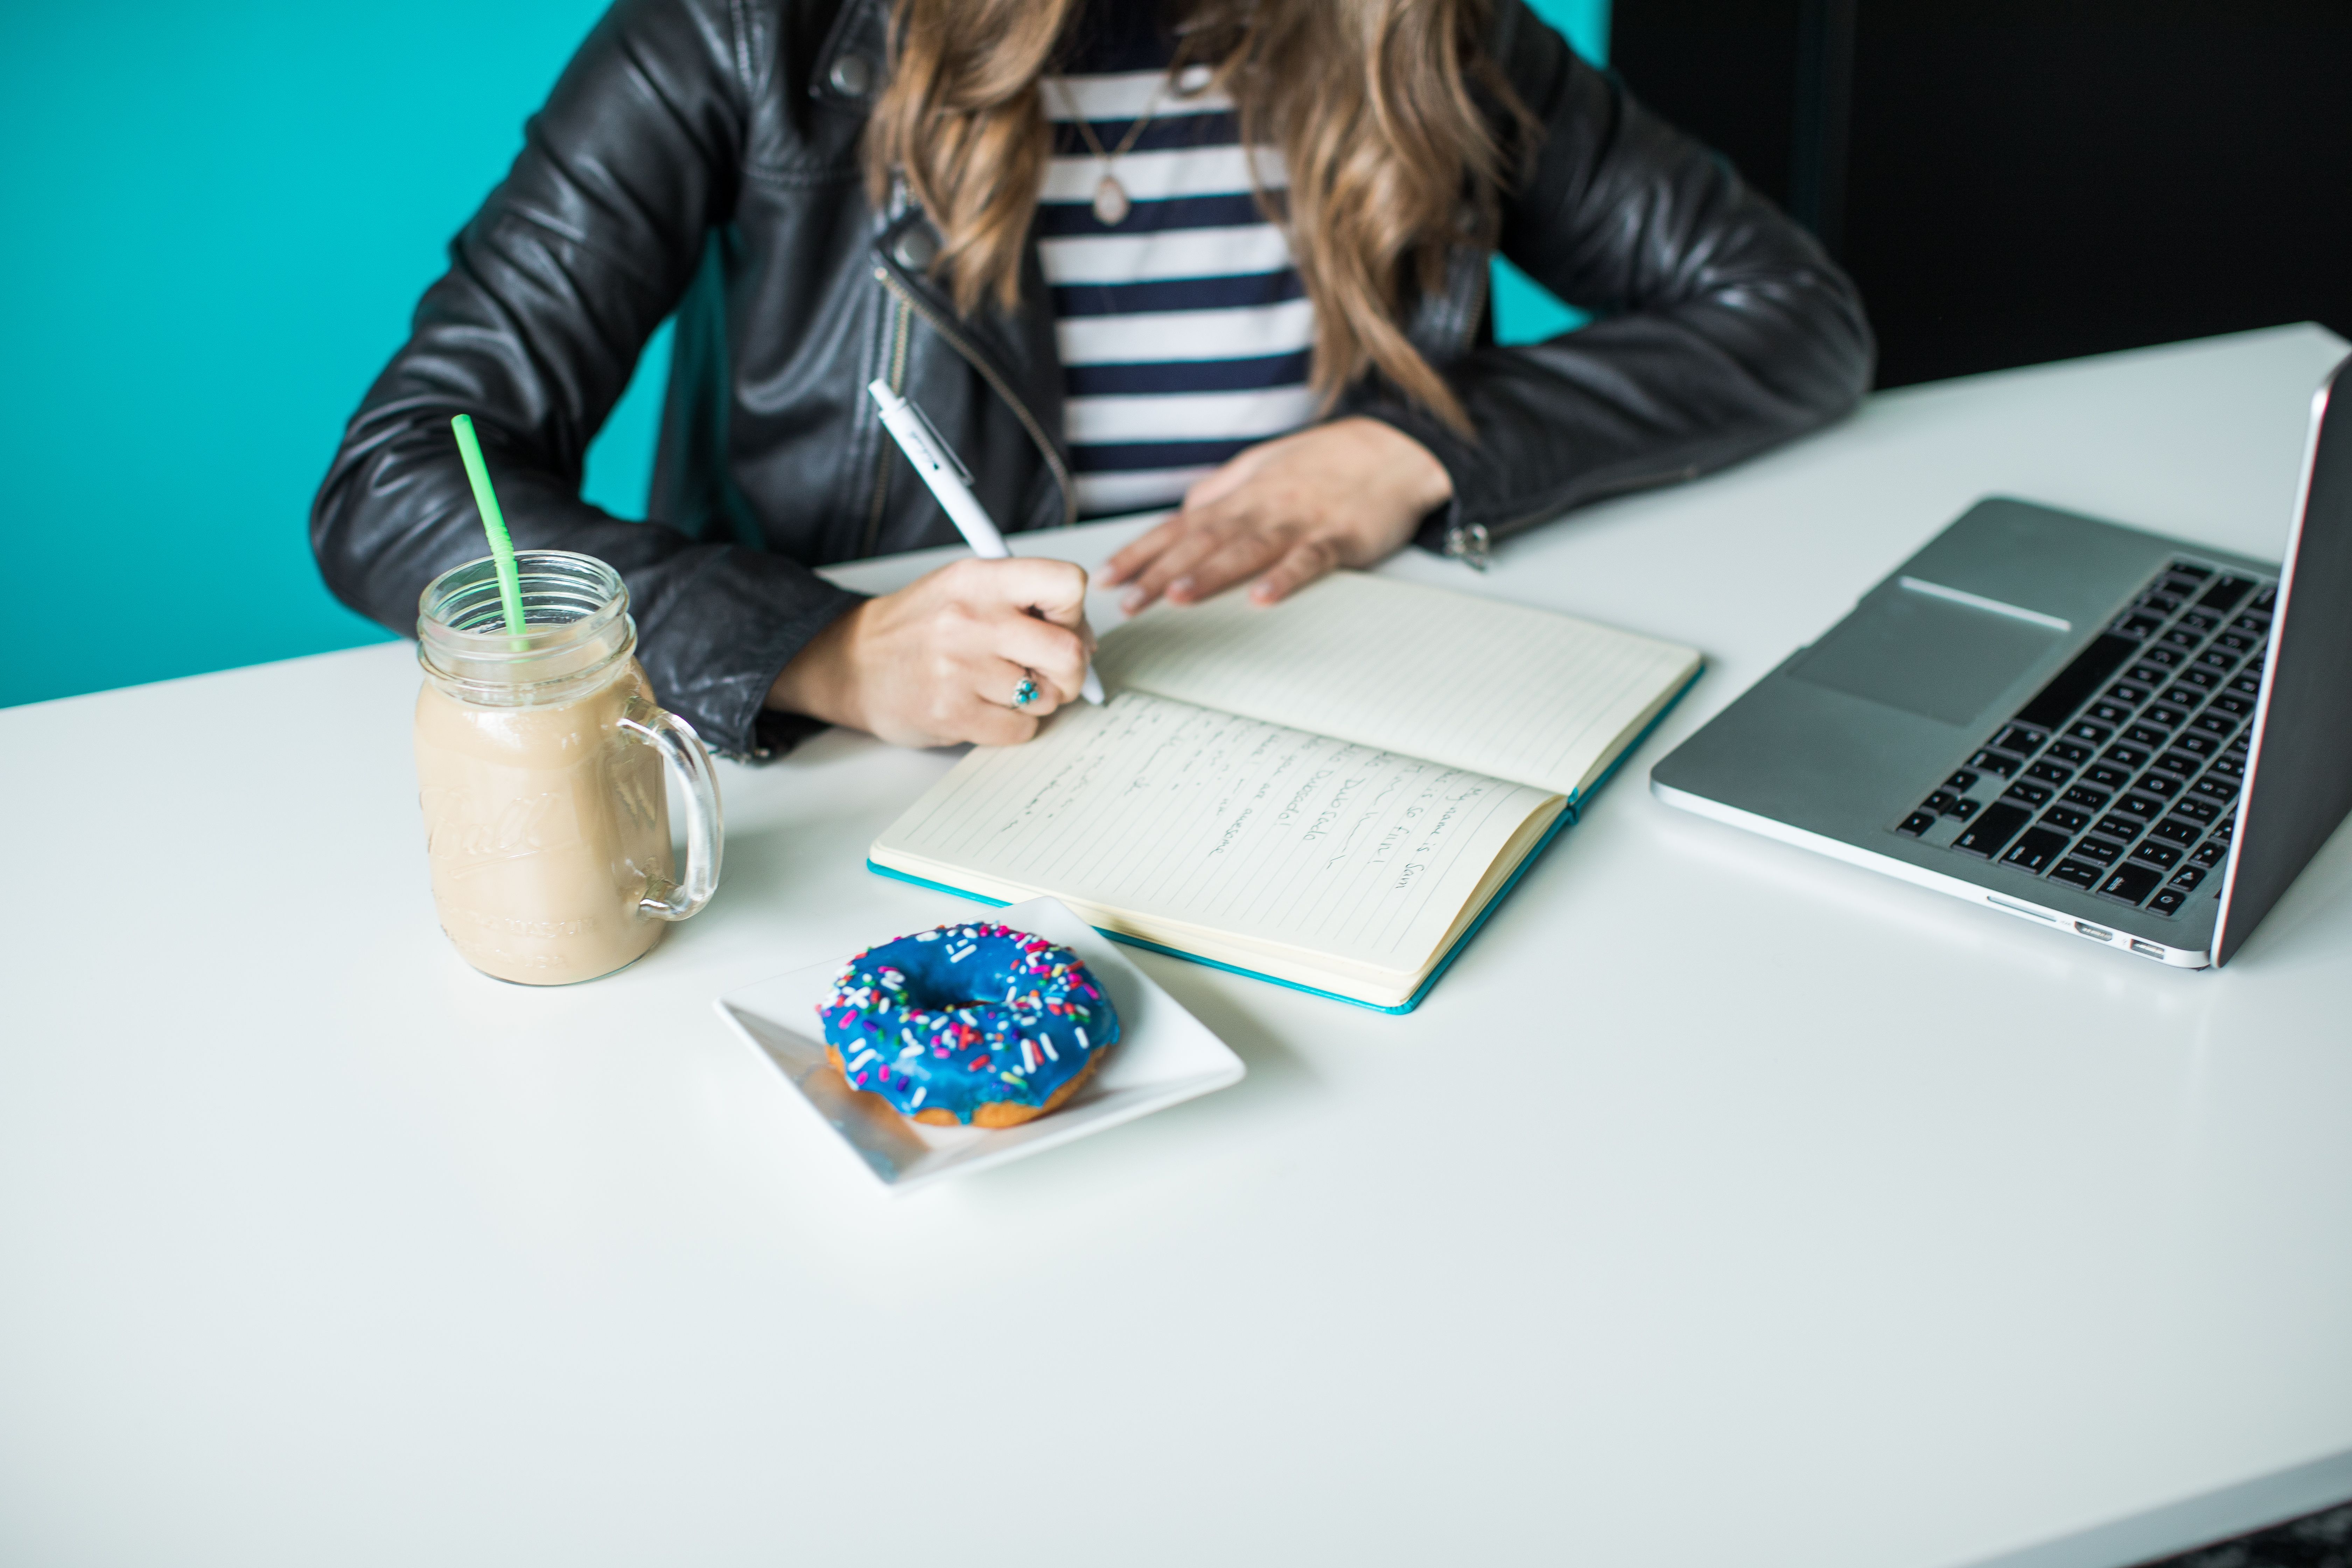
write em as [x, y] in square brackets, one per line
[1132, 602]
[1180, 589]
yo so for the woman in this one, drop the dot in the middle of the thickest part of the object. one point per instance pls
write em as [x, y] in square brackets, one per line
[1052, 222]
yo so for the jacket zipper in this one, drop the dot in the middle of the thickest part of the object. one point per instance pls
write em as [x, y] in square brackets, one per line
[1479, 538]
[1021, 410]
[896, 351]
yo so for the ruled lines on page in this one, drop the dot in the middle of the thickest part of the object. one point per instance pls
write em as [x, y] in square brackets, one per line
[1512, 692]
[1180, 814]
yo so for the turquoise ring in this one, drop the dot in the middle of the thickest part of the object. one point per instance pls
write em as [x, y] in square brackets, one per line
[1025, 694]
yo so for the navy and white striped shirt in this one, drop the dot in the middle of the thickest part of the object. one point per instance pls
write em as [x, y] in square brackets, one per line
[1184, 330]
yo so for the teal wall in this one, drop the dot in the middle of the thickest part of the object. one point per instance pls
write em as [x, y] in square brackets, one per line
[219, 219]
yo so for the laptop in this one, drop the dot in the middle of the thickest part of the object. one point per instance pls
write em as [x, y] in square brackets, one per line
[2123, 737]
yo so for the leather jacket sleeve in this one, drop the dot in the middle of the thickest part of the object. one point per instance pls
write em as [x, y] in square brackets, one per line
[552, 290]
[1720, 327]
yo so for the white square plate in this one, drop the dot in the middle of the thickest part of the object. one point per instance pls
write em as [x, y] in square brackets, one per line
[1164, 1054]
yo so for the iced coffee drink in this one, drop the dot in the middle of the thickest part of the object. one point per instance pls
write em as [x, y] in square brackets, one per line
[539, 763]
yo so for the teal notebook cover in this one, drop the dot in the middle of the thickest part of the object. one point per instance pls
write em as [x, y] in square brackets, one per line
[1567, 815]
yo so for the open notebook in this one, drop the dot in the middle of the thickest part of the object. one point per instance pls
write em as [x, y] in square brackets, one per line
[1331, 793]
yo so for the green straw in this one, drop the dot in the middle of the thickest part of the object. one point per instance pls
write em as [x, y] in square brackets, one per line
[494, 522]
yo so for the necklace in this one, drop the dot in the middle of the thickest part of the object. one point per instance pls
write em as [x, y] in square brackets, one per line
[1112, 202]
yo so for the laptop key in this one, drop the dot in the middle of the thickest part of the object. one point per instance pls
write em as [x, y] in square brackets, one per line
[2144, 735]
[2199, 621]
[2066, 819]
[2182, 639]
[2108, 776]
[2222, 792]
[2128, 884]
[2139, 805]
[2166, 714]
[2203, 680]
[2099, 849]
[2163, 787]
[2172, 830]
[2155, 854]
[2195, 810]
[2087, 673]
[1942, 801]
[2214, 659]
[2225, 594]
[2087, 798]
[2248, 684]
[2236, 642]
[2032, 794]
[2138, 624]
[2186, 878]
[2184, 697]
[2149, 675]
[2157, 599]
[1917, 822]
[2069, 753]
[2049, 772]
[1994, 762]
[2081, 873]
[2035, 850]
[2125, 756]
[1963, 809]
[2212, 853]
[2127, 693]
[2122, 828]
[1992, 831]
[2190, 570]
[2023, 739]
[2232, 704]
[2265, 600]
[2252, 626]
[2083, 729]
[2220, 725]
[2168, 903]
[1961, 782]
[2110, 712]
[2161, 655]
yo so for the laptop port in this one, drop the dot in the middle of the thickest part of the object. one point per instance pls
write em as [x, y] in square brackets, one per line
[2147, 949]
[2096, 934]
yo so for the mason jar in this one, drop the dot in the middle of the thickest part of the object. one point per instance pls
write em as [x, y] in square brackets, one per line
[539, 767]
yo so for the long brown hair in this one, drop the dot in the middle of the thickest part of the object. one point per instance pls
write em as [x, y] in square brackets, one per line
[1374, 103]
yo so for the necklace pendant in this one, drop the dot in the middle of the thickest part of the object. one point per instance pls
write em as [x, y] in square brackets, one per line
[1111, 204]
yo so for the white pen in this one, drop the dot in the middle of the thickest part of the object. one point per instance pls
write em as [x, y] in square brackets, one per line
[951, 482]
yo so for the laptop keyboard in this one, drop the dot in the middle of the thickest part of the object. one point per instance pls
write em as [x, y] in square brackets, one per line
[2121, 777]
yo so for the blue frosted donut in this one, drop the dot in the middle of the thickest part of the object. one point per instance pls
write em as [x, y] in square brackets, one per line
[972, 1023]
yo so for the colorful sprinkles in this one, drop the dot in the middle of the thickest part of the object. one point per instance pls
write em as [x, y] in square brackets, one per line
[912, 1022]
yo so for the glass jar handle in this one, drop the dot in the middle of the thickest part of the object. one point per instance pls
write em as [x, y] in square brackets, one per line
[682, 749]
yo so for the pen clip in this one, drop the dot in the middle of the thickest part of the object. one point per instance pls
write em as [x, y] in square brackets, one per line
[939, 442]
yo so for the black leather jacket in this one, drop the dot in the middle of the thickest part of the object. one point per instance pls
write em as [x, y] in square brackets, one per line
[702, 156]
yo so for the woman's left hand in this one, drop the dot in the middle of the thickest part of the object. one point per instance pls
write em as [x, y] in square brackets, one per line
[1348, 493]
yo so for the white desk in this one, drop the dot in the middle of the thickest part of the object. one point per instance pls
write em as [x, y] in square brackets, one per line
[1849, 1226]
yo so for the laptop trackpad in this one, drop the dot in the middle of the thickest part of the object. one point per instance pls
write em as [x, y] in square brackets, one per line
[1926, 655]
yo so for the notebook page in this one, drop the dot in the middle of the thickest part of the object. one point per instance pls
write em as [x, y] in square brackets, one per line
[1520, 694]
[1188, 817]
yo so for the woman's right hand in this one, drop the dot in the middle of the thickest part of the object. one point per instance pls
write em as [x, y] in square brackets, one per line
[938, 661]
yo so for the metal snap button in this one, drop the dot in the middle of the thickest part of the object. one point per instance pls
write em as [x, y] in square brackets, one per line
[852, 75]
[917, 248]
